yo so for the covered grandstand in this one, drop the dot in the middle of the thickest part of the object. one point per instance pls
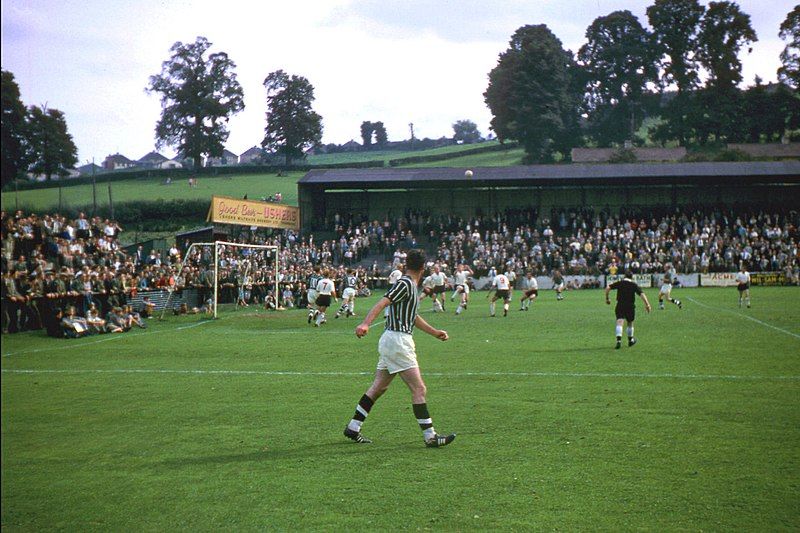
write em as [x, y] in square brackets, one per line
[385, 191]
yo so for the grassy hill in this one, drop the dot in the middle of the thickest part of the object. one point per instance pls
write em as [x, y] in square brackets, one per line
[255, 186]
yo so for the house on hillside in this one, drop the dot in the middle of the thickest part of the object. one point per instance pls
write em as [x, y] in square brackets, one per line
[171, 163]
[88, 169]
[117, 162]
[152, 160]
[253, 156]
[351, 146]
[227, 159]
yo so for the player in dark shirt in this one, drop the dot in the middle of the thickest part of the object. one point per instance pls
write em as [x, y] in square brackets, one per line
[625, 309]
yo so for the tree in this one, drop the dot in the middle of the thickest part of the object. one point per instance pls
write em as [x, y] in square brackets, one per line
[366, 134]
[14, 128]
[619, 62]
[51, 149]
[675, 26]
[789, 72]
[381, 138]
[198, 96]
[466, 131]
[532, 94]
[724, 30]
[292, 125]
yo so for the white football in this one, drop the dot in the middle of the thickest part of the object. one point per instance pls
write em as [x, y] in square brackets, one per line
[468, 173]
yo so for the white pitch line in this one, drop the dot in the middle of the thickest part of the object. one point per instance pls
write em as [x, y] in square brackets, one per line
[727, 377]
[748, 317]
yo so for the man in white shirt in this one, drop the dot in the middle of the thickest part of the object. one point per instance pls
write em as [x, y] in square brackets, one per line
[501, 286]
[461, 282]
[326, 291]
[530, 289]
[743, 285]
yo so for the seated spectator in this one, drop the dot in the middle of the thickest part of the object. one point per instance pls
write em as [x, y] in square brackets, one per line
[74, 326]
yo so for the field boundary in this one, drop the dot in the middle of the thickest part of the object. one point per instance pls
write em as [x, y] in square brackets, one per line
[757, 321]
[602, 375]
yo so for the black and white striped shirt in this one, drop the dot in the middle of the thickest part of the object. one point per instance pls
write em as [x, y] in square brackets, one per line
[403, 310]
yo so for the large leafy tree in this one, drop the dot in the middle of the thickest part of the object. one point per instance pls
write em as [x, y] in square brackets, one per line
[724, 31]
[381, 137]
[51, 148]
[12, 147]
[532, 94]
[676, 24]
[619, 62]
[292, 125]
[789, 72]
[466, 131]
[199, 93]
[367, 128]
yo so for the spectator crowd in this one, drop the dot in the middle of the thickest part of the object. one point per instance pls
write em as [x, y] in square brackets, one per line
[73, 278]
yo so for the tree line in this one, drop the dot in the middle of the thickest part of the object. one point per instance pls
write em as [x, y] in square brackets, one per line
[34, 138]
[685, 71]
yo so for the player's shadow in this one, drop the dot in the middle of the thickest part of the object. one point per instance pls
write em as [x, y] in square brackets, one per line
[323, 450]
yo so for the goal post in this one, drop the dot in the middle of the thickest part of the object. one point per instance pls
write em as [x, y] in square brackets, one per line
[272, 250]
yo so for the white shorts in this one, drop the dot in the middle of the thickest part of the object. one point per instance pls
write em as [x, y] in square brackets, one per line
[464, 288]
[665, 288]
[560, 286]
[349, 293]
[312, 296]
[397, 352]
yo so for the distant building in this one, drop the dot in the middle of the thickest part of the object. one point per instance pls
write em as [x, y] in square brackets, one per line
[171, 163]
[227, 159]
[152, 160]
[253, 156]
[117, 162]
[351, 146]
[89, 169]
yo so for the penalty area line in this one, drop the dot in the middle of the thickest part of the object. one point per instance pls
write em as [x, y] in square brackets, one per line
[748, 317]
[601, 375]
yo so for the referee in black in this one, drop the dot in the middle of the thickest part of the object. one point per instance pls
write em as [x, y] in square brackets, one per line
[397, 353]
[625, 311]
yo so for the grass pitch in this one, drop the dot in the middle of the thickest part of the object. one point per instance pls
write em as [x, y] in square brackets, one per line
[236, 423]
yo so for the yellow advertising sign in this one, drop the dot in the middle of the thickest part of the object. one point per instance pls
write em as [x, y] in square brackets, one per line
[225, 210]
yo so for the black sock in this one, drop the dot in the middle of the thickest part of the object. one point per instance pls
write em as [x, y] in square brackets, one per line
[362, 410]
[423, 418]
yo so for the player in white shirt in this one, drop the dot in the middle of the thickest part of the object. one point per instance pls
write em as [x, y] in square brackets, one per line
[665, 292]
[530, 288]
[326, 290]
[461, 282]
[439, 286]
[350, 283]
[743, 285]
[427, 290]
[501, 286]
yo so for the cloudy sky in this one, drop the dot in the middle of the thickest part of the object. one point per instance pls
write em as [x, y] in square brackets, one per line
[398, 61]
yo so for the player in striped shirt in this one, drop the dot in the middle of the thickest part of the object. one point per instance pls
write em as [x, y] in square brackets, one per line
[311, 294]
[665, 292]
[398, 353]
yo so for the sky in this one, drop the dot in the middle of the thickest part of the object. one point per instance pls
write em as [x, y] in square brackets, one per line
[395, 61]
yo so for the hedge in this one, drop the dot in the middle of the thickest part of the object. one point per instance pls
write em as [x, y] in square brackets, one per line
[451, 155]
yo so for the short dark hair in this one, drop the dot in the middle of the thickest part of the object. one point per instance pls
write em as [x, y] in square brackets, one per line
[629, 273]
[415, 260]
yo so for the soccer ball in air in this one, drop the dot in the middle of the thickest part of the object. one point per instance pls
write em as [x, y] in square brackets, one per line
[468, 174]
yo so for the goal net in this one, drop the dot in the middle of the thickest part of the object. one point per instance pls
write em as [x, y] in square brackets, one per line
[227, 275]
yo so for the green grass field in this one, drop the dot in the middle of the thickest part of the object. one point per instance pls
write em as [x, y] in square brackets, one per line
[236, 423]
[386, 155]
[254, 185]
